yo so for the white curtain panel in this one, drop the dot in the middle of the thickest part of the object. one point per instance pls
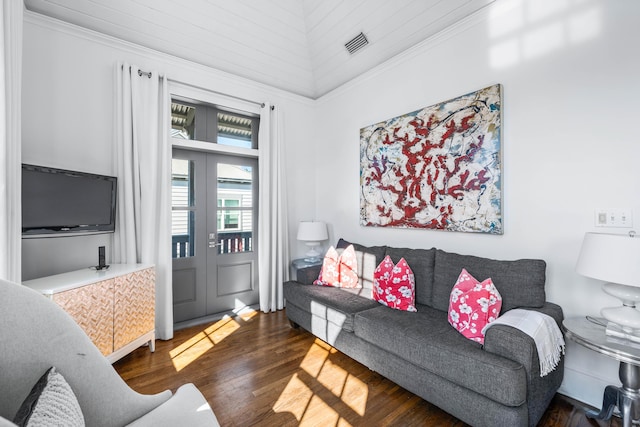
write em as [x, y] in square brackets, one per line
[143, 165]
[273, 239]
[10, 140]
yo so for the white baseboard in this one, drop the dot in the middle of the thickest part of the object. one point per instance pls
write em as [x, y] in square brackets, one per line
[586, 374]
[212, 317]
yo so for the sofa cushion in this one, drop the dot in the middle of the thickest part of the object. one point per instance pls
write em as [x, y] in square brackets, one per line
[473, 305]
[395, 285]
[428, 341]
[421, 262]
[520, 283]
[339, 270]
[336, 305]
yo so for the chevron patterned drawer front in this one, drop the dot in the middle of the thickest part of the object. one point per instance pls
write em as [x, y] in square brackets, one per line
[134, 306]
[92, 308]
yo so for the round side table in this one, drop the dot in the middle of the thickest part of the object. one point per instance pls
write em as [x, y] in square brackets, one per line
[627, 398]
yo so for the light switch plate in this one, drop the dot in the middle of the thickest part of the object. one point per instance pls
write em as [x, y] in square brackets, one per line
[617, 218]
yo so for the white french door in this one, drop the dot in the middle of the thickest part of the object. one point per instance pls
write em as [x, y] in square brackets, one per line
[214, 218]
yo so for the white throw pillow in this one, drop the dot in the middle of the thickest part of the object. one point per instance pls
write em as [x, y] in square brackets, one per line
[51, 402]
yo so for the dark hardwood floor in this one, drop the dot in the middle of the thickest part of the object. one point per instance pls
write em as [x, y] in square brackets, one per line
[255, 370]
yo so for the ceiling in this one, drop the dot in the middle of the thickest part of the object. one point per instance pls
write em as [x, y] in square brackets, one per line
[295, 45]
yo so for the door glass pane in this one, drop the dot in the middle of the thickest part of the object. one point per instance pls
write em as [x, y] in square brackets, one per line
[182, 203]
[234, 130]
[240, 238]
[235, 208]
[182, 183]
[182, 234]
[183, 121]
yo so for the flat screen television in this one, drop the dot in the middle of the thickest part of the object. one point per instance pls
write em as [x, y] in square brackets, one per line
[58, 202]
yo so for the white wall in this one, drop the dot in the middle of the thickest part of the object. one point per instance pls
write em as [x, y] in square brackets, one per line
[68, 108]
[570, 86]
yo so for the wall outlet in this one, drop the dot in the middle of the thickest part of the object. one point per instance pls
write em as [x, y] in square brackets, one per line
[621, 218]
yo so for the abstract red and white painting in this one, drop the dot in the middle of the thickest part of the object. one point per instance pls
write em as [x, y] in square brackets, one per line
[436, 168]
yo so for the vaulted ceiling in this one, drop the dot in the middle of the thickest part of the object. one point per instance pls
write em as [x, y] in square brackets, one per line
[295, 45]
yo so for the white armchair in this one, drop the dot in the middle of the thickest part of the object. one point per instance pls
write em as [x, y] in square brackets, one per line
[36, 334]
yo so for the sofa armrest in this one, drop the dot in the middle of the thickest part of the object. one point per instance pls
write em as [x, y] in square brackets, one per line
[512, 343]
[307, 275]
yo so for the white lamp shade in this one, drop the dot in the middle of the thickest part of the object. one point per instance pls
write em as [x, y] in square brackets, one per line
[610, 257]
[312, 231]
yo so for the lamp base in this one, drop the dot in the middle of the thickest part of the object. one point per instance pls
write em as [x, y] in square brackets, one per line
[313, 255]
[626, 316]
[629, 295]
[624, 321]
[313, 251]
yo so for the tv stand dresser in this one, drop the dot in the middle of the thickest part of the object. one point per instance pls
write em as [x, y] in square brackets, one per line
[115, 306]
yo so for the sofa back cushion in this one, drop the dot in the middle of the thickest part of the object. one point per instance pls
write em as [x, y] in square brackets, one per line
[367, 258]
[421, 262]
[520, 283]
[377, 251]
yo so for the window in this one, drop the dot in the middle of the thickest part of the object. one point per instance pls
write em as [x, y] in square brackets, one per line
[235, 207]
[183, 209]
[210, 123]
[228, 219]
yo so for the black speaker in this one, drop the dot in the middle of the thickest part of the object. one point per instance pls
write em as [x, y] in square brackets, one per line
[101, 259]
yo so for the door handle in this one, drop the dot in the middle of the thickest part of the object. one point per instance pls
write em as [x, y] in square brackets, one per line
[212, 240]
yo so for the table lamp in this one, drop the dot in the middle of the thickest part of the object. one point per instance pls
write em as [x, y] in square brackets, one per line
[615, 258]
[312, 233]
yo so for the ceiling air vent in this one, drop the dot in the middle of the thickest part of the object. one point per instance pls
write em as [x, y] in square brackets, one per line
[356, 43]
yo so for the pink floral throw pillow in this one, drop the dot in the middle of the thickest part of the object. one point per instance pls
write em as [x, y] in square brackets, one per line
[394, 285]
[330, 273]
[340, 271]
[472, 305]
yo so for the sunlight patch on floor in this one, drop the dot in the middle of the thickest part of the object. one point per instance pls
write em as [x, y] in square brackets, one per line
[246, 313]
[318, 409]
[299, 400]
[222, 329]
[314, 359]
[295, 398]
[355, 394]
[190, 350]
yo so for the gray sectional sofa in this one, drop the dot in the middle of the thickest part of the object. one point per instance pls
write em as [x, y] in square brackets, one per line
[495, 384]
